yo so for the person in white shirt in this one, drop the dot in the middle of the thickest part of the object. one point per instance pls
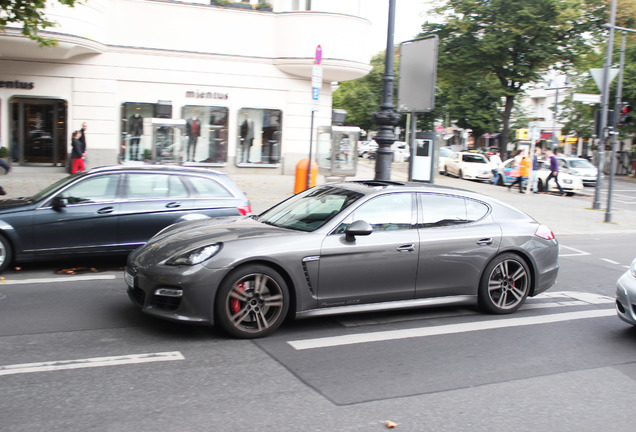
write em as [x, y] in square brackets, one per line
[495, 163]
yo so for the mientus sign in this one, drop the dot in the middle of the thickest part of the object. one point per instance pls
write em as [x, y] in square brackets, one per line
[17, 84]
[206, 95]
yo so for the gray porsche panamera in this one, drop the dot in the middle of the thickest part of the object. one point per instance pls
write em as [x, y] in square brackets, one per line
[344, 247]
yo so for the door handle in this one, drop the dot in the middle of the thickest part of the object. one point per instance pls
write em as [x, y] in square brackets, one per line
[105, 210]
[173, 204]
[485, 242]
[406, 248]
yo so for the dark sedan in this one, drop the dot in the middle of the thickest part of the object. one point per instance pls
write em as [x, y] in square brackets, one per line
[344, 247]
[111, 210]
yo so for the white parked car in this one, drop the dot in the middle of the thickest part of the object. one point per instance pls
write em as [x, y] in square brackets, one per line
[579, 167]
[444, 154]
[367, 149]
[468, 165]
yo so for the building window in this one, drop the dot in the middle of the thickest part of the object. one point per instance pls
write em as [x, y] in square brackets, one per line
[206, 135]
[259, 137]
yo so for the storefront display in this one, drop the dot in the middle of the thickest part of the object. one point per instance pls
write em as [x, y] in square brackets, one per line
[134, 145]
[206, 134]
[259, 136]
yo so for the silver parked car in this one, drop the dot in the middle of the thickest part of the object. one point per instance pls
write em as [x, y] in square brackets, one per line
[344, 247]
[626, 295]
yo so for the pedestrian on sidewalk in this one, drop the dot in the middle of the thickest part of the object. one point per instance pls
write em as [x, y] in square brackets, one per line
[554, 172]
[525, 167]
[495, 163]
[83, 140]
[77, 153]
[534, 175]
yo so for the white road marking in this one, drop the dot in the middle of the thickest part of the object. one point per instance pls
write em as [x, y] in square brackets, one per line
[577, 251]
[610, 261]
[79, 278]
[90, 362]
[381, 336]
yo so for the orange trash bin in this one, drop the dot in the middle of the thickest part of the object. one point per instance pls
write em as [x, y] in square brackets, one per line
[301, 175]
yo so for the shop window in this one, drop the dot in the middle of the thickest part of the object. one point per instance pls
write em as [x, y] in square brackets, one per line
[259, 137]
[136, 142]
[206, 134]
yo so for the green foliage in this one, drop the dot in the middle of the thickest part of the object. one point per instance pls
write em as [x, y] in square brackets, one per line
[491, 49]
[362, 97]
[29, 14]
[4, 152]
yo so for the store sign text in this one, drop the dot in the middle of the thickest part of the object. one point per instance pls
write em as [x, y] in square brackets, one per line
[17, 85]
[206, 95]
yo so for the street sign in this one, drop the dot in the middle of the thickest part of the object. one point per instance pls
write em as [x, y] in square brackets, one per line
[587, 98]
[418, 72]
[316, 85]
[597, 74]
[318, 56]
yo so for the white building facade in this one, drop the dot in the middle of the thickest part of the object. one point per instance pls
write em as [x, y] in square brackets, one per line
[160, 81]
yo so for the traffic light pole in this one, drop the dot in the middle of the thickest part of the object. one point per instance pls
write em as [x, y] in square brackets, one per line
[614, 132]
[604, 108]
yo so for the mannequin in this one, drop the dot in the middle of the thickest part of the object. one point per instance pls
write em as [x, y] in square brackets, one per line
[193, 130]
[247, 138]
[136, 130]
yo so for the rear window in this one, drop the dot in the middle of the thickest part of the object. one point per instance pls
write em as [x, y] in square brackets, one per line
[149, 185]
[206, 187]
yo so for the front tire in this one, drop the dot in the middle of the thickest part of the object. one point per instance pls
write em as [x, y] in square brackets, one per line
[504, 285]
[6, 253]
[252, 302]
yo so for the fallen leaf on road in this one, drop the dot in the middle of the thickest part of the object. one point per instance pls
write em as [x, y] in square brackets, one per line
[390, 424]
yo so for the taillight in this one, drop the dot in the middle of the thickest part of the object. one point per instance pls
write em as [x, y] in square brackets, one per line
[245, 210]
[544, 232]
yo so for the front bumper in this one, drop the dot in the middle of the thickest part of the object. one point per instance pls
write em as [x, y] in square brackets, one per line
[626, 298]
[184, 294]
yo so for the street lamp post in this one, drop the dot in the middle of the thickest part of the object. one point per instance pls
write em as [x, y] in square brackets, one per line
[555, 114]
[386, 119]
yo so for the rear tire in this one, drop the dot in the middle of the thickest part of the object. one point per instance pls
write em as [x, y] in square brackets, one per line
[505, 284]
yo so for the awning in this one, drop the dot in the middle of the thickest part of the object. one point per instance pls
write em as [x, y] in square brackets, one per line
[545, 135]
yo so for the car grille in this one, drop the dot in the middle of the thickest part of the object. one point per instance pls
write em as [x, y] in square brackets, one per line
[166, 303]
[137, 295]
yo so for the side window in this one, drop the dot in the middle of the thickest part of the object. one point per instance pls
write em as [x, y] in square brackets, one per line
[205, 187]
[444, 210]
[92, 190]
[384, 213]
[149, 186]
[563, 164]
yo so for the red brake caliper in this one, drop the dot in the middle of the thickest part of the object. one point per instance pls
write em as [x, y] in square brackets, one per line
[235, 304]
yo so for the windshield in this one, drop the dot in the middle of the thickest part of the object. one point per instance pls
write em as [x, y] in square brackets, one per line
[474, 158]
[311, 209]
[52, 188]
[580, 163]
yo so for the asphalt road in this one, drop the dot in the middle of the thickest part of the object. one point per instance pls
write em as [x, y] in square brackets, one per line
[77, 356]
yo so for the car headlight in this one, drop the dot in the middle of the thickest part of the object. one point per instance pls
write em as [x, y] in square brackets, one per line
[194, 256]
[632, 269]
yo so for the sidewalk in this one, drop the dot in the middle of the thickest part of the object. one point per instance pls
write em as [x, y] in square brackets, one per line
[564, 215]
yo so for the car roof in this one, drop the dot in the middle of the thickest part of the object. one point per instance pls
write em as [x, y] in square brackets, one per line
[372, 187]
[175, 169]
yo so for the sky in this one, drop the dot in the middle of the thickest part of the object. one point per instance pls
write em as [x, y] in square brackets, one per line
[409, 16]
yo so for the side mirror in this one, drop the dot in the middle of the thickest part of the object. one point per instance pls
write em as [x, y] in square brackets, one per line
[58, 203]
[358, 228]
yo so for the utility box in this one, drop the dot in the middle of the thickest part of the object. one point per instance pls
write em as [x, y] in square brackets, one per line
[337, 150]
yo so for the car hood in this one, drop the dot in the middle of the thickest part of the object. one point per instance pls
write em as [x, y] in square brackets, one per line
[13, 204]
[190, 235]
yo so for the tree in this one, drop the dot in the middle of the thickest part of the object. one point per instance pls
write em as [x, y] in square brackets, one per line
[505, 44]
[362, 96]
[30, 14]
